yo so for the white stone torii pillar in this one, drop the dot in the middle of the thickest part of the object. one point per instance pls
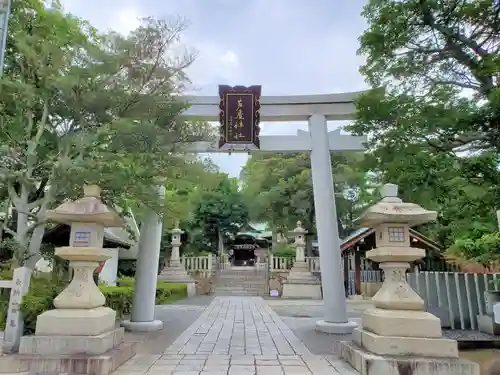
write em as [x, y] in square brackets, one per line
[316, 110]
[142, 318]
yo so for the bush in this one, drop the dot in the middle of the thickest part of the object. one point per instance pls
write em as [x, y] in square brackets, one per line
[4, 306]
[484, 250]
[44, 289]
[118, 298]
[40, 298]
[284, 250]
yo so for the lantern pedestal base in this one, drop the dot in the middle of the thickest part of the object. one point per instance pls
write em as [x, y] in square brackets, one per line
[75, 341]
[79, 363]
[176, 273]
[301, 284]
[410, 346]
[66, 345]
[75, 322]
[405, 323]
[367, 363]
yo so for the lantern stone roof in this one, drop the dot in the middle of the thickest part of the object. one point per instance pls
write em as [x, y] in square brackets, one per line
[88, 209]
[392, 209]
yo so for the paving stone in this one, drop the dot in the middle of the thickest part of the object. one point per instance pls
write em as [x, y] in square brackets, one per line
[236, 336]
[270, 370]
[267, 362]
[296, 370]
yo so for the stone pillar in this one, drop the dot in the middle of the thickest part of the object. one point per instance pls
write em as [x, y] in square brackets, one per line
[142, 318]
[398, 333]
[301, 283]
[332, 281]
[175, 272]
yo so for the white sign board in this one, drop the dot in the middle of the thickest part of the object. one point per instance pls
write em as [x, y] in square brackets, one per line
[14, 325]
[496, 312]
[274, 293]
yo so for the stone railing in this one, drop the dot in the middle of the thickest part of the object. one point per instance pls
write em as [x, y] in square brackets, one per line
[313, 263]
[280, 264]
[457, 298]
[284, 264]
[203, 263]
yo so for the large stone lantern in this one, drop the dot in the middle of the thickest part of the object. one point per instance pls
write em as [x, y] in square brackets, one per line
[80, 325]
[398, 333]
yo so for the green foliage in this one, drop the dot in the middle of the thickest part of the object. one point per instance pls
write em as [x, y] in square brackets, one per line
[183, 189]
[4, 307]
[284, 250]
[80, 107]
[118, 298]
[126, 267]
[278, 189]
[40, 298]
[217, 211]
[484, 250]
[43, 290]
[439, 143]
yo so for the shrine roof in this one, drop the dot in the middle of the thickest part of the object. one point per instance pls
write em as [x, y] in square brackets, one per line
[362, 233]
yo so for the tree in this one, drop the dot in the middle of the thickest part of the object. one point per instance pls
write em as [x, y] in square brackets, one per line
[79, 107]
[182, 189]
[218, 212]
[278, 189]
[438, 142]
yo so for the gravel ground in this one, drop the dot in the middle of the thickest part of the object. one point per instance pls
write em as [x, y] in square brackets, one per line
[318, 343]
[176, 319]
[195, 301]
[311, 311]
[301, 318]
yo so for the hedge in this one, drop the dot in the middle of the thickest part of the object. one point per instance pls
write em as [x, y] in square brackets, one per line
[43, 290]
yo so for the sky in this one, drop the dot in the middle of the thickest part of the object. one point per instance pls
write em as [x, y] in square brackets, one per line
[290, 47]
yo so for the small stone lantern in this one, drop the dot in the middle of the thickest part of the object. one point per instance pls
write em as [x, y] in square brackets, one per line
[79, 307]
[174, 270]
[176, 243]
[300, 242]
[398, 333]
[300, 282]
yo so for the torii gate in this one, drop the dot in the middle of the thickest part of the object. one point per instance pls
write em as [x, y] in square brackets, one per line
[316, 110]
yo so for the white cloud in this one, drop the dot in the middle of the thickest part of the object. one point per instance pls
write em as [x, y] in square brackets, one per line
[288, 47]
[215, 64]
[230, 59]
[126, 20]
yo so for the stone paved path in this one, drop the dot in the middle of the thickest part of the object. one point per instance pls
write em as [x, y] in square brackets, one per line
[236, 336]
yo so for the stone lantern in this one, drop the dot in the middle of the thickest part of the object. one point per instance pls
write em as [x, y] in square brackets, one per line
[175, 271]
[176, 244]
[80, 325]
[301, 283]
[398, 333]
[300, 242]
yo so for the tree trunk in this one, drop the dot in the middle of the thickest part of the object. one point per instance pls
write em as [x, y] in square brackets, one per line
[220, 243]
[34, 246]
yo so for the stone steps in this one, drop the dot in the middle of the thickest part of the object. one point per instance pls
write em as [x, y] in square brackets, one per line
[240, 283]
